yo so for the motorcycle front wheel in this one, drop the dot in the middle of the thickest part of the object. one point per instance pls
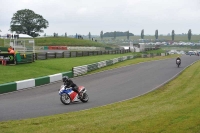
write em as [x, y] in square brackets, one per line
[65, 99]
[84, 98]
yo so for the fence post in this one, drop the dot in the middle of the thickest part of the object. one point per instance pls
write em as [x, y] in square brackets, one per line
[36, 56]
[33, 57]
[46, 55]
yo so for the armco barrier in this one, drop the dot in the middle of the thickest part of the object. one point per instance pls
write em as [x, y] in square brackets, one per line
[81, 70]
[115, 60]
[101, 64]
[23, 84]
[91, 67]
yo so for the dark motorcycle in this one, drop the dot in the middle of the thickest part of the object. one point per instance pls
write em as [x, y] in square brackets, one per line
[178, 62]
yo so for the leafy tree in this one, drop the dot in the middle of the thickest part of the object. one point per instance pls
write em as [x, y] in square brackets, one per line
[189, 34]
[142, 34]
[173, 34]
[27, 22]
[156, 34]
[89, 35]
[114, 34]
[127, 35]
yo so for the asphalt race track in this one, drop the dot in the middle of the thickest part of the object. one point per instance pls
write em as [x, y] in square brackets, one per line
[103, 88]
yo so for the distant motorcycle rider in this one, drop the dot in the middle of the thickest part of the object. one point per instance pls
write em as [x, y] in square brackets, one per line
[69, 83]
[178, 58]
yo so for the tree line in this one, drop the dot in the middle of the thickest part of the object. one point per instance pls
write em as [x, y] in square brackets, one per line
[115, 34]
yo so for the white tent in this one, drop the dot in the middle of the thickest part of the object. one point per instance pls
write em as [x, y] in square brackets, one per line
[24, 36]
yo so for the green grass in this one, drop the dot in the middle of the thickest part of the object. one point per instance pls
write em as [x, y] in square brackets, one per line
[173, 108]
[1, 42]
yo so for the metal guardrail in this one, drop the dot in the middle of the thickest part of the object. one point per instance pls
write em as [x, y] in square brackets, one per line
[81, 70]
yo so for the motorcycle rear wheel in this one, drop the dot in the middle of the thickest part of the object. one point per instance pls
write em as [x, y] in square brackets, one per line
[85, 98]
[65, 99]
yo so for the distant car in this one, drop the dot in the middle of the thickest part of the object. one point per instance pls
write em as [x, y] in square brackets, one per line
[182, 52]
[191, 53]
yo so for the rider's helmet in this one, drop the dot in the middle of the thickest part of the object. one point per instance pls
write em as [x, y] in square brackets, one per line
[65, 78]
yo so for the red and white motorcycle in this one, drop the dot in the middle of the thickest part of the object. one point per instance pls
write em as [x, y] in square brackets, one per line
[67, 95]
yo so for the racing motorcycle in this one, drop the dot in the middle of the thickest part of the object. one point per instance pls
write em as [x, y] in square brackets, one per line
[178, 62]
[67, 95]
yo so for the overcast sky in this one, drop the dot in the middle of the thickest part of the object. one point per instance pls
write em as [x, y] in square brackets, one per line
[84, 16]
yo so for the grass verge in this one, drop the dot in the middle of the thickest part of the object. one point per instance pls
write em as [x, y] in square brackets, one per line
[173, 108]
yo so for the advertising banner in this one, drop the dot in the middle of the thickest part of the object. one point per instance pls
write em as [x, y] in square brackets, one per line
[57, 47]
[8, 57]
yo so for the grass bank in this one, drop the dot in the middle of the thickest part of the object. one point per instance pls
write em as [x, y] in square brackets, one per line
[173, 108]
[65, 41]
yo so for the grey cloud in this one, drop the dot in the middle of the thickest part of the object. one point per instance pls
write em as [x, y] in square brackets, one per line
[84, 16]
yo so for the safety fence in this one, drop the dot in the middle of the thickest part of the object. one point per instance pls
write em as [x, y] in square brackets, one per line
[81, 70]
[68, 54]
